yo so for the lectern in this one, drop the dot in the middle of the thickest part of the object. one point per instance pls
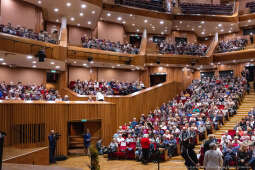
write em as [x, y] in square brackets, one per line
[2, 135]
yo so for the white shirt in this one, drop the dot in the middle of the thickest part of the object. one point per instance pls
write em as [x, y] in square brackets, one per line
[99, 96]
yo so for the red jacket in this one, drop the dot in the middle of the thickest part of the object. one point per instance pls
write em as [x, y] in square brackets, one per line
[145, 142]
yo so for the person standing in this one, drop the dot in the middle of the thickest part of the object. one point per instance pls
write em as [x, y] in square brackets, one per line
[52, 145]
[145, 143]
[190, 158]
[86, 141]
[2, 135]
[213, 159]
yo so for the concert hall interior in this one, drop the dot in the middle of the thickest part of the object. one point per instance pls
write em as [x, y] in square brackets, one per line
[127, 84]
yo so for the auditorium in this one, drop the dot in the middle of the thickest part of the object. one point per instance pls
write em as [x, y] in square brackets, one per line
[127, 84]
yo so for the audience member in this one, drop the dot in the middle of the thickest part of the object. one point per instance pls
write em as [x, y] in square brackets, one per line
[232, 45]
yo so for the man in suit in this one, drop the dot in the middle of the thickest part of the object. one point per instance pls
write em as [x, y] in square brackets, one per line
[52, 145]
[184, 137]
[210, 140]
[2, 135]
[190, 157]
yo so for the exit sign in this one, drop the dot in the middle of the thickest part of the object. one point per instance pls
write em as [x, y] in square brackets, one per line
[83, 120]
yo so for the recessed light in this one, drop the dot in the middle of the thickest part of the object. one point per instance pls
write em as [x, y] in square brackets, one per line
[74, 62]
[57, 67]
[119, 18]
[78, 25]
[180, 22]
[229, 31]
[220, 25]
[192, 29]
[203, 33]
[1, 59]
[118, 65]
[234, 61]
[52, 63]
[137, 30]
[200, 26]
[108, 14]
[68, 4]
[123, 22]
[72, 18]
[93, 12]
[39, 2]
[81, 14]
[133, 25]
[29, 57]
[34, 66]
[202, 22]
[162, 33]
[232, 24]
[57, 20]
[130, 15]
[56, 9]
[83, 6]
[4, 63]
[249, 20]
[165, 30]
[89, 22]
[34, 62]
[113, 67]
[161, 22]
[222, 30]
[84, 64]
[145, 21]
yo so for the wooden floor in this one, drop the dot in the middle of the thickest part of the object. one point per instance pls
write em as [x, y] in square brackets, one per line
[34, 167]
[83, 162]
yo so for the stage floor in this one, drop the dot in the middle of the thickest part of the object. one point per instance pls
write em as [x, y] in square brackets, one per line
[83, 162]
[34, 167]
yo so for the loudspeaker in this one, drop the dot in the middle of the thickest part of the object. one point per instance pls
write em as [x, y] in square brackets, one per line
[41, 55]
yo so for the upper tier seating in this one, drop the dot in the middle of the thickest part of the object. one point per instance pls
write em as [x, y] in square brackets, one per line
[108, 45]
[202, 107]
[251, 5]
[29, 33]
[157, 5]
[232, 45]
[28, 92]
[106, 87]
[183, 48]
[209, 9]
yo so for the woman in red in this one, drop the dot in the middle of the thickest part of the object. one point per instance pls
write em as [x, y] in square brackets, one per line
[145, 143]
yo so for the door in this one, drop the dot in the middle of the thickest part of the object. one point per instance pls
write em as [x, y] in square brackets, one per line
[157, 78]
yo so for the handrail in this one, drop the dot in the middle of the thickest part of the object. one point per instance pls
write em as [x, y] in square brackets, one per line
[213, 45]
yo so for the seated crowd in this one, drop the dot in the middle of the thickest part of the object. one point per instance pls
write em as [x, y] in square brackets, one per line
[237, 146]
[108, 45]
[232, 45]
[209, 9]
[105, 87]
[157, 5]
[28, 92]
[29, 33]
[251, 6]
[182, 48]
[197, 110]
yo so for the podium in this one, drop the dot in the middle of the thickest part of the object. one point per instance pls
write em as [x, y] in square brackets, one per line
[2, 135]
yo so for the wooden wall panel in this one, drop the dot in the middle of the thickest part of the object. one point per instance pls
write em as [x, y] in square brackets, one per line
[55, 116]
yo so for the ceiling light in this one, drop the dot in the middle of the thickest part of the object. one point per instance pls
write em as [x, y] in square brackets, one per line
[133, 25]
[222, 30]
[234, 61]
[78, 25]
[137, 30]
[119, 18]
[68, 4]
[34, 66]
[72, 18]
[113, 67]
[203, 32]
[199, 26]
[202, 22]
[165, 30]
[52, 63]
[229, 31]
[145, 21]
[249, 20]
[220, 25]
[56, 9]
[180, 22]
[57, 67]
[84, 64]
[123, 22]
[162, 33]
[57, 20]
[81, 14]
[108, 14]
[83, 6]
[29, 57]
[130, 15]
[251, 60]
[232, 24]
[89, 22]
[39, 2]
[192, 29]
[74, 62]
[93, 12]
[34, 62]
[1, 59]
[161, 22]
[4, 63]
[118, 65]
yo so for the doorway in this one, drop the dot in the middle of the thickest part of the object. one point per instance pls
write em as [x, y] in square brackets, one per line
[76, 129]
[157, 78]
[251, 74]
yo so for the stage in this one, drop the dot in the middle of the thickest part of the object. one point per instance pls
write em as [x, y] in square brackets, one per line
[34, 167]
